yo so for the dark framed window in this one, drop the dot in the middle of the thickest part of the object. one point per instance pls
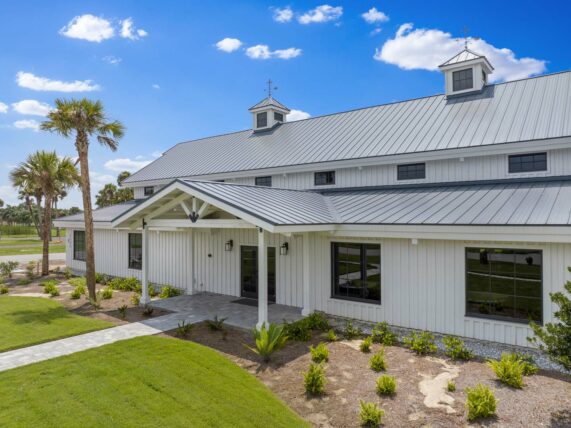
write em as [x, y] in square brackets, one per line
[324, 177]
[149, 190]
[356, 272]
[529, 162]
[135, 251]
[264, 181]
[412, 171]
[462, 79]
[79, 245]
[278, 117]
[262, 120]
[504, 284]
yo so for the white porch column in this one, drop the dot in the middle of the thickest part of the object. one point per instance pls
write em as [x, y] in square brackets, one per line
[307, 306]
[262, 279]
[145, 273]
[192, 273]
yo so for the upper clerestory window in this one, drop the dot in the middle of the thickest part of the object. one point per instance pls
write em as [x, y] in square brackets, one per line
[412, 171]
[529, 162]
[323, 178]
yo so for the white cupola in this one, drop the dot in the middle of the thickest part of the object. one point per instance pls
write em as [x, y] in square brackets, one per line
[465, 73]
[268, 113]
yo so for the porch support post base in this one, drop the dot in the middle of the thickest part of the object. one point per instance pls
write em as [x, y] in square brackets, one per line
[262, 280]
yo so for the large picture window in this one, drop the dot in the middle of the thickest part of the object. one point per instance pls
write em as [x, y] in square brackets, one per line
[504, 284]
[356, 272]
[135, 251]
[79, 245]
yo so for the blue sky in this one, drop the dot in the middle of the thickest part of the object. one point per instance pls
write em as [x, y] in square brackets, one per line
[160, 69]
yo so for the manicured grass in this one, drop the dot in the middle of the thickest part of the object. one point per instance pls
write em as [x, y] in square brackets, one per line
[58, 248]
[26, 321]
[144, 382]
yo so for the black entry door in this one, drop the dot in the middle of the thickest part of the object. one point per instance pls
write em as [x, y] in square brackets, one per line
[249, 272]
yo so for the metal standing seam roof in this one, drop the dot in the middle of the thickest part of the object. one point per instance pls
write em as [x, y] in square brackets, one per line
[465, 55]
[269, 101]
[524, 110]
[103, 214]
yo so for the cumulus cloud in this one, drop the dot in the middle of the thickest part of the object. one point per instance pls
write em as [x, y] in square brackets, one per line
[111, 59]
[297, 115]
[37, 83]
[31, 107]
[3, 108]
[9, 195]
[426, 49]
[88, 27]
[374, 16]
[125, 164]
[228, 45]
[156, 86]
[323, 13]
[264, 52]
[27, 124]
[128, 30]
[283, 15]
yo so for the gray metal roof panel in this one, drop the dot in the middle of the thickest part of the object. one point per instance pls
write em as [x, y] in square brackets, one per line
[465, 55]
[103, 214]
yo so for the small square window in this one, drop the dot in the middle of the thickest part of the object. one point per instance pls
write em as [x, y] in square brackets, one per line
[413, 171]
[323, 178]
[278, 117]
[462, 80]
[262, 120]
[530, 162]
[264, 181]
[149, 190]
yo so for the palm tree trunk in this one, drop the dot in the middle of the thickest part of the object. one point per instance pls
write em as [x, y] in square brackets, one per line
[46, 238]
[82, 146]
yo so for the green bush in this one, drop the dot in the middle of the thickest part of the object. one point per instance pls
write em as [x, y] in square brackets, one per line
[2, 280]
[67, 273]
[136, 299]
[31, 269]
[320, 353]
[152, 290]
[365, 345]
[383, 335]
[314, 379]
[451, 386]
[331, 336]
[298, 330]
[352, 332]
[4, 289]
[76, 293]
[317, 321]
[183, 329]
[49, 286]
[508, 369]
[54, 292]
[7, 268]
[95, 304]
[371, 415]
[101, 278]
[481, 402]
[78, 281]
[456, 350]
[24, 281]
[124, 284]
[377, 361]
[386, 385]
[169, 291]
[123, 311]
[216, 324]
[421, 343]
[107, 293]
[528, 364]
[268, 340]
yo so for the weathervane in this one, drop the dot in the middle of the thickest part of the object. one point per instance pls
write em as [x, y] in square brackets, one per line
[275, 88]
[467, 38]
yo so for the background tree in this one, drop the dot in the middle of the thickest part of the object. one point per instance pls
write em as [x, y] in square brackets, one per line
[84, 119]
[1, 203]
[111, 194]
[122, 176]
[47, 173]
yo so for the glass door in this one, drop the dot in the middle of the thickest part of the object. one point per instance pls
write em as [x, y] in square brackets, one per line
[249, 272]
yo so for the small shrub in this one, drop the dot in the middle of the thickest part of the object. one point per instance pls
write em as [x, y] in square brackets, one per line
[3, 289]
[421, 343]
[371, 415]
[481, 402]
[49, 286]
[123, 311]
[24, 281]
[169, 291]
[101, 278]
[455, 349]
[183, 329]
[298, 330]
[383, 335]
[352, 332]
[320, 353]
[386, 385]
[317, 321]
[124, 284]
[508, 369]
[314, 379]
[2, 280]
[528, 364]
[78, 281]
[331, 336]
[148, 311]
[152, 290]
[31, 269]
[76, 293]
[136, 299]
[54, 292]
[67, 273]
[7, 268]
[268, 340]
[95, 304]
[107, 293]
[216, 324]
[451, 386]
[365, 345]
[377, 361]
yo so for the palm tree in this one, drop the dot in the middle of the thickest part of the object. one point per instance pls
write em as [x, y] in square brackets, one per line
[83, 119]
[45, 172]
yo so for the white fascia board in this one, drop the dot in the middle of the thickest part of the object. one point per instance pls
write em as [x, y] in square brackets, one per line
[200, 224]
[465, 152]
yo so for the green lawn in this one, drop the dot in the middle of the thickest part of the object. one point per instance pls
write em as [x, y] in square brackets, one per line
[144, 382]
[26, 321]
[37, 249]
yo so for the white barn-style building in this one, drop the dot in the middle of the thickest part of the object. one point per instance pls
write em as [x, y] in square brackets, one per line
[449, 213]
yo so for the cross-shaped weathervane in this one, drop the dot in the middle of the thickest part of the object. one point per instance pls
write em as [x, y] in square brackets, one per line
[467, 38]
[270, 88]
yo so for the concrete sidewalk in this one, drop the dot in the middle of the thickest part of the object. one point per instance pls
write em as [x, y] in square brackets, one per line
[26, 258]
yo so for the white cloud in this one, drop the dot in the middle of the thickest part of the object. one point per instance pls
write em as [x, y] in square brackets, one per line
[376, 31]
[37, 83]
[128, 30]
[88, 27]
[283, 15]
[125, 164]
[156, 86]
[323, 13]
[426, 49]
[3, 108]
[374, 16]
[264, 52]
[31, 107]
[111, 59]
[27, 124]
[228, 45]
[297, 115]
[9, 195]
[156, 154]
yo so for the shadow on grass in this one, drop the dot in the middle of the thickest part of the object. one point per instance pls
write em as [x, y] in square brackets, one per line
[42, 316]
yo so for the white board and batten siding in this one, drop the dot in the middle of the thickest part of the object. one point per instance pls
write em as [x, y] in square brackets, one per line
[423, 287]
